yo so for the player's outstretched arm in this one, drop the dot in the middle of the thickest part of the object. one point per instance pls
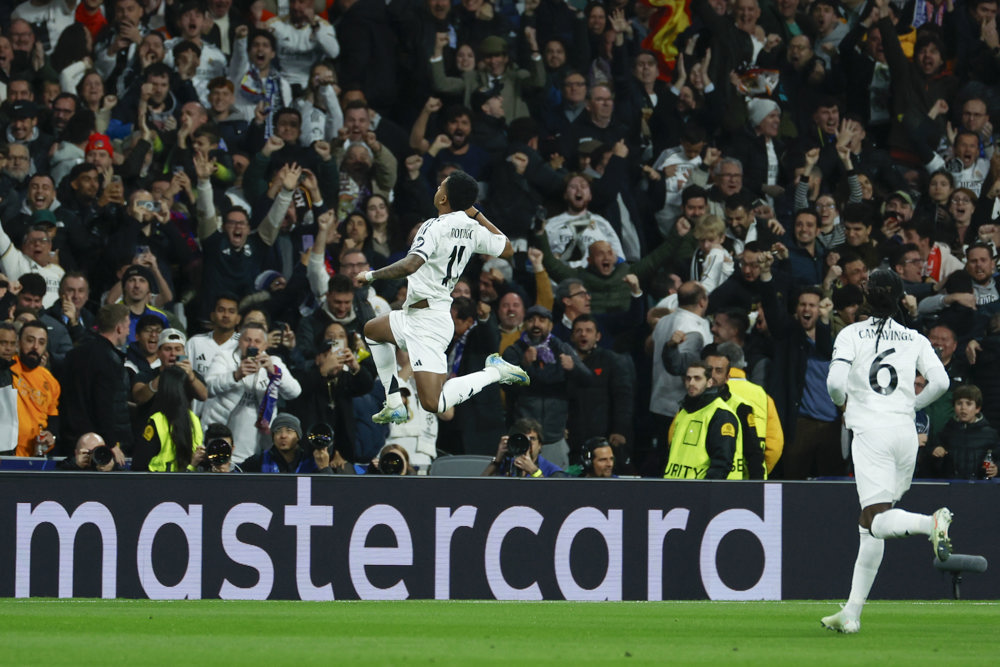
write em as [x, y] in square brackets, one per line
[477, 215]
[400, 269]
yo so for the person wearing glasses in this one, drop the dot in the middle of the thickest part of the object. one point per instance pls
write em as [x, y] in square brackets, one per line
[35, 256]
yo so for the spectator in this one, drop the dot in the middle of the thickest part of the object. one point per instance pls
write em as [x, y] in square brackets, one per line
[328, 387]
[302, 36]
[202, 348]
[94, 396]
[553, 366]
[960, 448]
[37, 393]
[35, 256]
[797, 380]
[8, 393]
[687, 330]
[606, 407]
[243, 388]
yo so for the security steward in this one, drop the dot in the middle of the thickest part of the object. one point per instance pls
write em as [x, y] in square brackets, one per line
[745, 403]
[705, 436]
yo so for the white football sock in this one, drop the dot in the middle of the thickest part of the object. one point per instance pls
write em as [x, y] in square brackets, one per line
[460, 389]
[900, 523]
[870, 551]
[384, 356]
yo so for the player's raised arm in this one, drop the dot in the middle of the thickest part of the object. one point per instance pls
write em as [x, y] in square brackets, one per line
[477, 215]
[399, 269]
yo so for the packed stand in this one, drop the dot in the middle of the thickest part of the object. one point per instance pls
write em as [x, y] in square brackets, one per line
[695, 194]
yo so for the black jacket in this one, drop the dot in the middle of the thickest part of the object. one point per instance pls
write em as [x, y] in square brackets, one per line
[966, 444]
[329, 400]
[95, 394]
[479, 422]
[546, 399]
[787, 375]
[605, 406]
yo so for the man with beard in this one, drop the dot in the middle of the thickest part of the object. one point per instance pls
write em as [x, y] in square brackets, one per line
[37, 393]
[368, 168]
[79, 194]
[15, 172]
[803, 344]
[451, 147]
[705, 435]
[31, 298]
[553, 367]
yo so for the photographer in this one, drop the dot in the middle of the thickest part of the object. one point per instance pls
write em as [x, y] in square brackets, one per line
[91, 454]
[286, 455]
[218, 450]
[391, 460]
[519, 454]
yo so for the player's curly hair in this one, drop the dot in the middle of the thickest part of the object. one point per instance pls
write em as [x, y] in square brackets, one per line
[462, 190]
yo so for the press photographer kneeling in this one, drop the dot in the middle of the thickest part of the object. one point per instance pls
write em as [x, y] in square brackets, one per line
[519, 454]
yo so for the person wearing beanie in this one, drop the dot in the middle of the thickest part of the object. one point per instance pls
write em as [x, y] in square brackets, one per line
[758, 148]
[137, 283]
[286, 455]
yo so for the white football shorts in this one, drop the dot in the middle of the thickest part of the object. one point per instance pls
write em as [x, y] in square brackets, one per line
[884, 459]
[425, 335]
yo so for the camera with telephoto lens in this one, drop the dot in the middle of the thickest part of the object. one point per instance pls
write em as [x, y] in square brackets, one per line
[391, 463]
[101, 456]
[318, 441]
[517, 445]
[218, 452]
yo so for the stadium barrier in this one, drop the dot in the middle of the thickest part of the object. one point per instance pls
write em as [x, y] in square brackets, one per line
[322, 538]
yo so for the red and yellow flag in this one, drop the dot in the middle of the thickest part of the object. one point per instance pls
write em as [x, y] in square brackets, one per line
[672, 17]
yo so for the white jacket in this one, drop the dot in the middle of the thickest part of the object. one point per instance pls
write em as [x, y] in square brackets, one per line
[235, 403]
[299, 48]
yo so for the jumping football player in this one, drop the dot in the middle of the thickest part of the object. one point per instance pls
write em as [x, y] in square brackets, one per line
[424, 326]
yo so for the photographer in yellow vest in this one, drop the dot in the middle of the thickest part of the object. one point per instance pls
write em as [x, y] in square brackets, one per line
[705, 435]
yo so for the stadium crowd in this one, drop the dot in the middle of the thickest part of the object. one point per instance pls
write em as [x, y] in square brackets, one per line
[695, 191]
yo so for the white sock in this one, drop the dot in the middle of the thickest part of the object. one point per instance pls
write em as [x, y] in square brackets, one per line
[865, 568]
[900, 523]
[384, 356]
[460, 389]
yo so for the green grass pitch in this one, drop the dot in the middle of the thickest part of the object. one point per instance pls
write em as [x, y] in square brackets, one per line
[214, 632]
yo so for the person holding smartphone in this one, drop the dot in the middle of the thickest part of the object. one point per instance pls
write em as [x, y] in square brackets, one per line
[244, 385]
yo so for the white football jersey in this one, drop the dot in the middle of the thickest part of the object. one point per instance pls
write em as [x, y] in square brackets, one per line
[446, 244]
[880, 383]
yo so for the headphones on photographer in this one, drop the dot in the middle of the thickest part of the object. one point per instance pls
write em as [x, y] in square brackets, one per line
[588, 451]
